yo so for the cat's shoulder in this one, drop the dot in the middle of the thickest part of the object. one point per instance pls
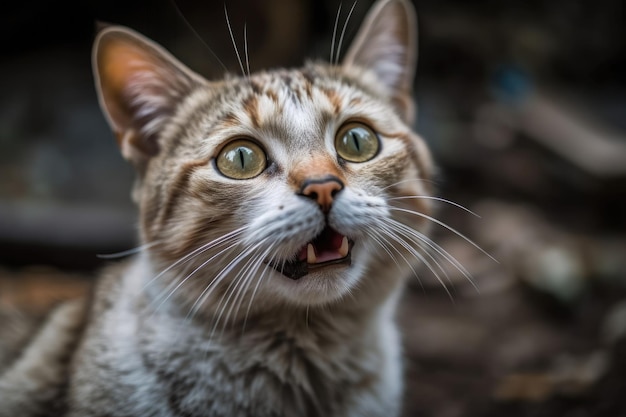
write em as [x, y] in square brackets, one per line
[37, 352]
[36, 364]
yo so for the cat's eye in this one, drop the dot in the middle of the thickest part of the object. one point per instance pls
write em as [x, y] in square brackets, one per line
[241, 159]
[356, 142]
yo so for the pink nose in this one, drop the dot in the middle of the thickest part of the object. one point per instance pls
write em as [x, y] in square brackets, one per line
[322, 190]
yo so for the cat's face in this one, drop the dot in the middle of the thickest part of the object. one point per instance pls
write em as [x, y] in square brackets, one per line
[290, 185]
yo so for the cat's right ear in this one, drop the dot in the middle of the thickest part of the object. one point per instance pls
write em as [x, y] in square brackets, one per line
[139, 85]
[386, 44]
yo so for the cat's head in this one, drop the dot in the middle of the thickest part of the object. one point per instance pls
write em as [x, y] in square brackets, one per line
[298, 185]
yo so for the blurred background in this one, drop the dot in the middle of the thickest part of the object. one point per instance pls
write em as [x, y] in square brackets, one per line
[523, 104]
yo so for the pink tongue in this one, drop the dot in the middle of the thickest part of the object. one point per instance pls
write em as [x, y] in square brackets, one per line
[326, 256]
[326, 247]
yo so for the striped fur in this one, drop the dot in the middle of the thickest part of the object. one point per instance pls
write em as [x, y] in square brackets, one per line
[202, 322]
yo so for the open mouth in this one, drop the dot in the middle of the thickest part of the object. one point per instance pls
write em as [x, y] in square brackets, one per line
[328, 248]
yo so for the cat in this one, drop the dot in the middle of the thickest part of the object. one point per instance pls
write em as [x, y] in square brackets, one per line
[281, 213]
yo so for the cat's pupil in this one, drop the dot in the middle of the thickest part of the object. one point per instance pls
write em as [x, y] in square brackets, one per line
[355, 139]
[241, 158]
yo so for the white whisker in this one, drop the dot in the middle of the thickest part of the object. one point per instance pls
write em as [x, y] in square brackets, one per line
[438, 249]
[332, 44]
[196, 252]
[195, 32]
[232, 38]
[128, 252]
[343, 32]
[245, 47]
[247, 273]
[179, 284]
[381, 240]
[215, 281]
[420, 257]
[395, 184]
[239, 278]
[252, 276]
[256, 287]
[375, 236]
[306, 317]
[413, 236]
[442, 224]
[443, 200]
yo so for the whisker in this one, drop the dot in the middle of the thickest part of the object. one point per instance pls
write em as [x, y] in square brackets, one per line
[252, 275]
[196, 252]
[443, 200]
[193, 30]
[225, 271]
[241, 276]
[437, 248]
[332, 44]
[306, 317]
[381, 241]
[254, 291]
[376, 238]
[245, 47]
[267, 268]
[343, 31]
[419, 256]
[179, 284]
[232, 38]
[208, 289]
[442, 224]
[413, 237]
[395, 184]
[127, 252]
[247, 273]
[407, 232]
[224, 302]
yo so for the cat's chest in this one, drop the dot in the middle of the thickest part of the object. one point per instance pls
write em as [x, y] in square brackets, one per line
[263, 373]
[164, 365]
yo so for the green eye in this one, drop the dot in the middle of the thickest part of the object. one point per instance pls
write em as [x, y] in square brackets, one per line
[355, 142]
[241, 160]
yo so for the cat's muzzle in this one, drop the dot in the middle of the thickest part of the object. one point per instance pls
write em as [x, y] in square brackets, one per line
[329, 248]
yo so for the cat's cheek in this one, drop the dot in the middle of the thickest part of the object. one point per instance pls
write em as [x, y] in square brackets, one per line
[356, 214]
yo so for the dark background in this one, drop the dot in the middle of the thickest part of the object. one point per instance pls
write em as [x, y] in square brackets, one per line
[524, 106]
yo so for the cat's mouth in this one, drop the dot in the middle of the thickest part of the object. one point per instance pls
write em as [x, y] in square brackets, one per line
[328, 248]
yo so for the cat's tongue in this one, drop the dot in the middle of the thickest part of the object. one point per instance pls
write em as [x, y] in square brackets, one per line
[328, 246]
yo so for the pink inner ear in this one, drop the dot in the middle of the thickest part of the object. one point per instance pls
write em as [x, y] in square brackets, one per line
[118, 62]
[139, 86]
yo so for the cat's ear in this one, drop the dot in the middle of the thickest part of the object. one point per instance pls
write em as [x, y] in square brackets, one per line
[387, 45]
[139, 85]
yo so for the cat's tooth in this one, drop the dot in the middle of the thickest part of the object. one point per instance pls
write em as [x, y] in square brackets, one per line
[344, 248]
[310, 254]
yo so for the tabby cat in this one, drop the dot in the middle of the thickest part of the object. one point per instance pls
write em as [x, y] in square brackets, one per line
[280, 214]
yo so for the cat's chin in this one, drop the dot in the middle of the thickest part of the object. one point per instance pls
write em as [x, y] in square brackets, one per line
[321, 285]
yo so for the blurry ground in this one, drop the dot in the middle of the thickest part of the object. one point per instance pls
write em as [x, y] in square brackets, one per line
[524, 106]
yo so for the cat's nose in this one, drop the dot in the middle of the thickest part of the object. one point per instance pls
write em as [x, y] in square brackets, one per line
[322, 190]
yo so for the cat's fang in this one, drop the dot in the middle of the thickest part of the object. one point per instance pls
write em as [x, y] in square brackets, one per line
[328, 247]
[310, 254]
[344, 248]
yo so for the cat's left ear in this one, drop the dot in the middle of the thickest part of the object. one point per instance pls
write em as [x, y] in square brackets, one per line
[387, 45]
